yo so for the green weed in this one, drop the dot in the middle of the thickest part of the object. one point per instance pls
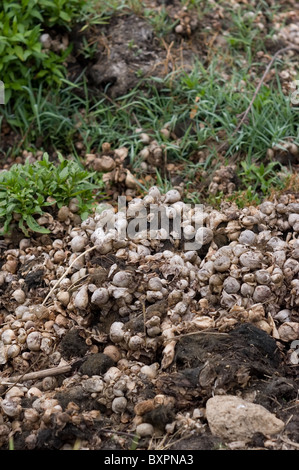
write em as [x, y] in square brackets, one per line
[11, 445]
[160, 21]
[203, 102]
[22, 57]
[135, 442]
[260, 178]
[27, 190]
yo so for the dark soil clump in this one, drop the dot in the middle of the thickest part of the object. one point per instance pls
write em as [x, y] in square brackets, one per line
[72, 344]
[96, 364]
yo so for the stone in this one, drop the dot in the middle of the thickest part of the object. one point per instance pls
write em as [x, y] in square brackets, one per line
[233, 419]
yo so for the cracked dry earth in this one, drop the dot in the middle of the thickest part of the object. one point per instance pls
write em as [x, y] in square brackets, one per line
[118, 343]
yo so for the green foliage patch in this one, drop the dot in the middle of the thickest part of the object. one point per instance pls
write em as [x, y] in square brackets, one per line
[27, 190]
[21, 54]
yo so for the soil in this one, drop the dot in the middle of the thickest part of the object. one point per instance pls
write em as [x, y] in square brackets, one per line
[128, 48]
[245, 361]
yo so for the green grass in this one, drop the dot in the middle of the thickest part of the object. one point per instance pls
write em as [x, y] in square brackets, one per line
[71, 117]
[272, 120]
[160, 21]
[205, 102]
[260, 176]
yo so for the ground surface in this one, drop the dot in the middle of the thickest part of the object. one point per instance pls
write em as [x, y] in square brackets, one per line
[74, 406]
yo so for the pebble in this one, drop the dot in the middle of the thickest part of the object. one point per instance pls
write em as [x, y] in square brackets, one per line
[113, 352]
[145, 430]
[34, 340]
[149, 371]
[93, 385]
[289, 331]
[78, 243]
[63, 297]
[119, 404]
[233, 419]
[19, 295]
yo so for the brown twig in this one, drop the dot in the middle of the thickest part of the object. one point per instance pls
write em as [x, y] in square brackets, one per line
[7, 382]
[168, 56]
[40, 374]
[112, 431]
[288, 441]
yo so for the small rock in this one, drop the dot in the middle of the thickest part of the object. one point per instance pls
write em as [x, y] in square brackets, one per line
[46, 40]
[113, 352]
[144, 430]
[63, 214]
[261, 294]
[93, 385]
[289, 331]
[234, 419]
[81, 298]
[78, 243]
[149, 371]
[247, 237]
[130, 181]
[34, 340]
[63, 297]
[117, 332]
[119, 404]
[19, 295]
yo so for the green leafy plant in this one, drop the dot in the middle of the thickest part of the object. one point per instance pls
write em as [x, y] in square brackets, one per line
[26, 190]
[135, 442]
[21, 53]
[260, 177]
[245, 197]
[61, 12]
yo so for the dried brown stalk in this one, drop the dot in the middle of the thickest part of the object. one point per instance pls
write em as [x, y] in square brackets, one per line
[40, 374]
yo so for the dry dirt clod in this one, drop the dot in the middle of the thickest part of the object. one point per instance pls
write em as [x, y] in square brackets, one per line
[96, 364]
